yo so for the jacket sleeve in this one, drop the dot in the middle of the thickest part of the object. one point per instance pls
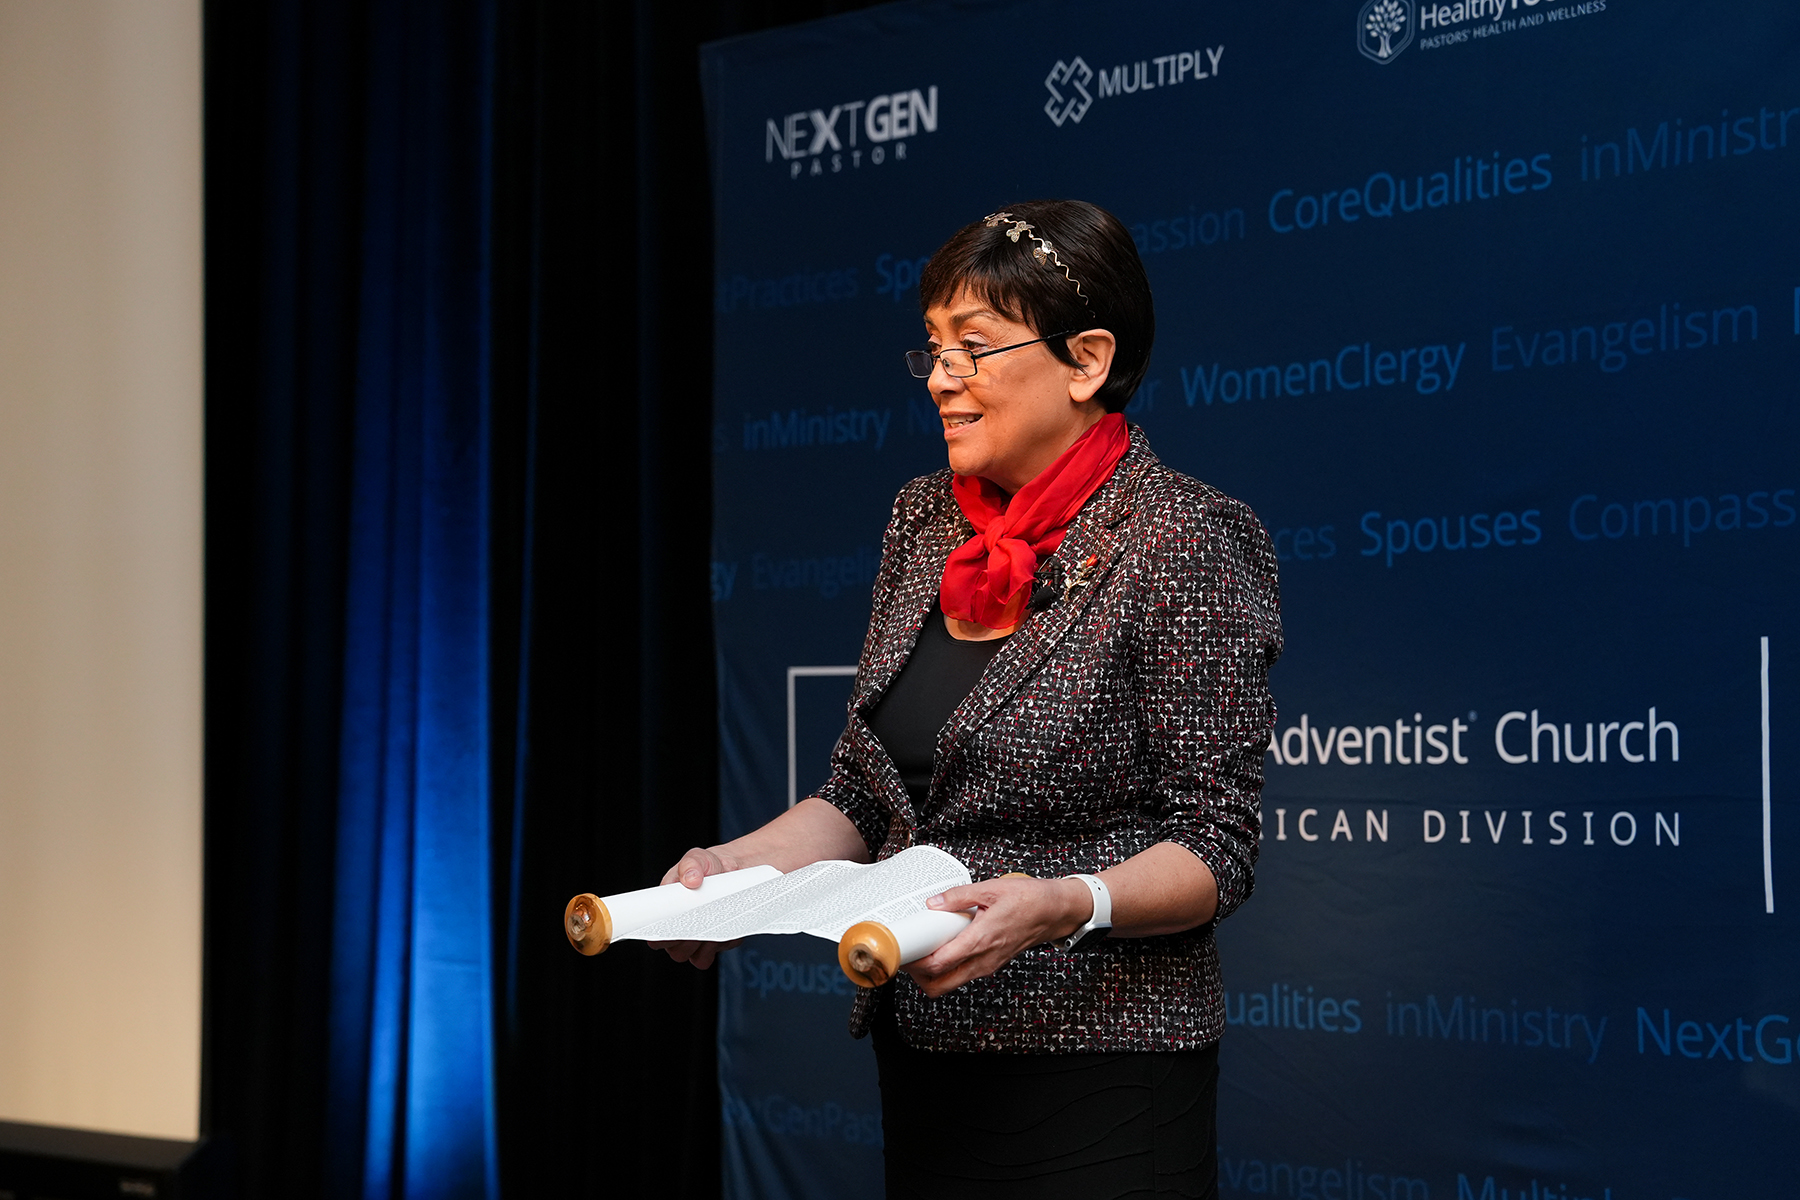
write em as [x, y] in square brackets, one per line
[849, 788]
[1211, 630]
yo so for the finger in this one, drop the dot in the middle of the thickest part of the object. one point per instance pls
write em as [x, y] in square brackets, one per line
[694, 866]
[981, 956]
[701, 954]
[952, 954]
[683, 951]
[969, 969]
[993, 939]
[922, 975]
[679, 951]
[967, 896]
[708, 952]
[985, 893]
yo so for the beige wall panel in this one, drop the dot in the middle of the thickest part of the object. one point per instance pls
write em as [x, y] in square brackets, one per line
[100, 540]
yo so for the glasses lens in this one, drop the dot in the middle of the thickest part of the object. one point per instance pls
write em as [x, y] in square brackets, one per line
[919, 363]
[958, 364]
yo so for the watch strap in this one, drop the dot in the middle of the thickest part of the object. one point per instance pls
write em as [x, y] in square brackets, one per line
[1099, 923]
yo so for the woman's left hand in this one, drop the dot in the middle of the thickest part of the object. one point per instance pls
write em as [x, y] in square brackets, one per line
[1012, 914]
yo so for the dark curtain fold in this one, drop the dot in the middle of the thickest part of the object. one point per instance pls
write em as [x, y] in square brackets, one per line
[411, 1087]
[459, 658]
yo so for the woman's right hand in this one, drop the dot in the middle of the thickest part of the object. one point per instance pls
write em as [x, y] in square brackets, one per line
[695, 866]
[805, 833]
[698, 863]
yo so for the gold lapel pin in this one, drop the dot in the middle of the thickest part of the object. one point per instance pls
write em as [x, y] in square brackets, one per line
[1080, 574]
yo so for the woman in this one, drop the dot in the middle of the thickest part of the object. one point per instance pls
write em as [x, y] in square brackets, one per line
[1065, 678]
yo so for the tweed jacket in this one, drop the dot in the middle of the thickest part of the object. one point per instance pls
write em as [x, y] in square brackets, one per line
[1131, 709]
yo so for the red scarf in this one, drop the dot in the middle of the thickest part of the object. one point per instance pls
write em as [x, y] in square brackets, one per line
[988, 577]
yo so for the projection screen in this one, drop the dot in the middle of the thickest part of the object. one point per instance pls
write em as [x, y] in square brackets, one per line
[100, 544]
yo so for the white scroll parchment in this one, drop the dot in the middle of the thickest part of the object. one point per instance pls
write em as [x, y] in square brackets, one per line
[632, 910]
[823, 899]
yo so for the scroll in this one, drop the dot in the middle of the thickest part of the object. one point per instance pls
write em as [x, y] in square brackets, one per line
[874, 911]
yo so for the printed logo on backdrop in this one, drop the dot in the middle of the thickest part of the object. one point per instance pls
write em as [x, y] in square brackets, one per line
[1074, 105]
[1383, 29]
[852, 135]
[1071, 97]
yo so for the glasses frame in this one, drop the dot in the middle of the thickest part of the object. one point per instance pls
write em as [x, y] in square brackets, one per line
[936, 357]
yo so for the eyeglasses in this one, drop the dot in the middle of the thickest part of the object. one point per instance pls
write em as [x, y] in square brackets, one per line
[960, 363]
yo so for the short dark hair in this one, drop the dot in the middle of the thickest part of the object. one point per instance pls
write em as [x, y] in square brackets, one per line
[1099, 254]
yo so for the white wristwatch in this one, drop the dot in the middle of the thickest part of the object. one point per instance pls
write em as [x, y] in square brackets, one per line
[1099, 924]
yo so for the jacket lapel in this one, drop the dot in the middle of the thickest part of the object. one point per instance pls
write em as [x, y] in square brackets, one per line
[915, 599]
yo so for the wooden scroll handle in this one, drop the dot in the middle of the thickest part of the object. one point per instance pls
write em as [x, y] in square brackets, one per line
[587, 924]
[869, 954]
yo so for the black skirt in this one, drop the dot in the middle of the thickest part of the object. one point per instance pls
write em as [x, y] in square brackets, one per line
[1046, 1126]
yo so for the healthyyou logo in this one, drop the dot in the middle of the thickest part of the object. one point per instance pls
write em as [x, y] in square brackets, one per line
[1384, 28]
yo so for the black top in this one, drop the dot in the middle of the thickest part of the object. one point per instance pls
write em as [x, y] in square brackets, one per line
[941, 671]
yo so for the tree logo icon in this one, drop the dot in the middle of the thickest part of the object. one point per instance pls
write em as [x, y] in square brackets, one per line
[1061, 107]
[1383, 29]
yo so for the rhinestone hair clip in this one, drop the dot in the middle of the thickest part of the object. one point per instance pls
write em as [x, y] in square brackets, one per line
[1041, 249]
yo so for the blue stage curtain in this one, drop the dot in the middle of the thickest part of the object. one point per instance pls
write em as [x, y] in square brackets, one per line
[411, 1051]
[350, 203]
[459, 661]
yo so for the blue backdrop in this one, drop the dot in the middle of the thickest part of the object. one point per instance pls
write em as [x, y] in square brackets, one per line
[1491, 310]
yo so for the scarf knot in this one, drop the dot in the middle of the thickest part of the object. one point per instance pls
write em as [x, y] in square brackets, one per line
[988, 578]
